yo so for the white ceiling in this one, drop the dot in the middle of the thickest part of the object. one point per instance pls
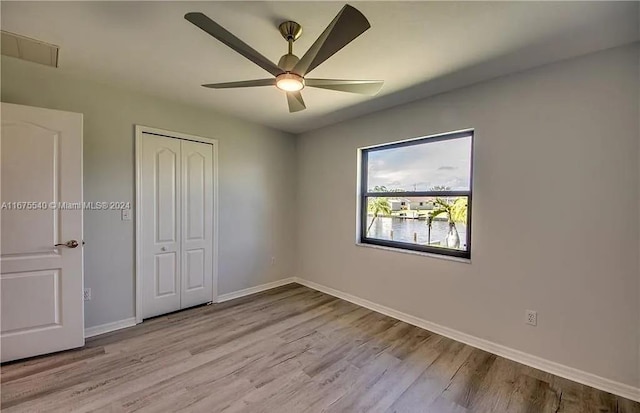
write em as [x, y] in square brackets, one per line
[417, 48]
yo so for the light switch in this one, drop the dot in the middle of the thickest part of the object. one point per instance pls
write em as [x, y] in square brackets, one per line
[126, 215]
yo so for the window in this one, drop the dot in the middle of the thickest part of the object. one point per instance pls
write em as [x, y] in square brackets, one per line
[433, 176]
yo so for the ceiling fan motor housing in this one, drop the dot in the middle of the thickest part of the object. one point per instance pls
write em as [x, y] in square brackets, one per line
[287, 62]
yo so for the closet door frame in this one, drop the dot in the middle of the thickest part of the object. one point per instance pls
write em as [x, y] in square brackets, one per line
[139, 131]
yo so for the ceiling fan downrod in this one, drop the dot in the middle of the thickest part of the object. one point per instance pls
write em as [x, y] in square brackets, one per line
[291, 31]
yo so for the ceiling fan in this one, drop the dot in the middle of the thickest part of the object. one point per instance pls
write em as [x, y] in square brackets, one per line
[289, 74]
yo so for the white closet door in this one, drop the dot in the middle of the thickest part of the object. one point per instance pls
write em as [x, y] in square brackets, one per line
[160, 218]
[197, 227]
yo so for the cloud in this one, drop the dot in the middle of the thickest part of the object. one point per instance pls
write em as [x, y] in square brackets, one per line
[423, 166]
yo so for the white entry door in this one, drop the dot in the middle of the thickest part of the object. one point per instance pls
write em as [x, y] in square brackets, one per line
[176, 216]
[41, 231]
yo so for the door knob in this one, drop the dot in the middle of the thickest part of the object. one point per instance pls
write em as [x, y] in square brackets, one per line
[69, 244]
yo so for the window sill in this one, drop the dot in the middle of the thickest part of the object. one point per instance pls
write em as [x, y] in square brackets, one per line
[412, 252]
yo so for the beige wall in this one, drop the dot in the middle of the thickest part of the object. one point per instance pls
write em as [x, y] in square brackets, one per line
[257, 172]
[555, 213]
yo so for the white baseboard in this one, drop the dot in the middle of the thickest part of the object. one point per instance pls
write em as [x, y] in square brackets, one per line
[109, 327]
[548, 366]
[256, 289]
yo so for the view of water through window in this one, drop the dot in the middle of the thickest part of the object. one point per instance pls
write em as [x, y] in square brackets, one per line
[404, 230]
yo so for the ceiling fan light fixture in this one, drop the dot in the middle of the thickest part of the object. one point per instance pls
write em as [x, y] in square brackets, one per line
[290, 71]
[289, 82]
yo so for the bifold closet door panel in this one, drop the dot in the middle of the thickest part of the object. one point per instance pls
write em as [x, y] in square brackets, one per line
[160, 218]
[197, 223]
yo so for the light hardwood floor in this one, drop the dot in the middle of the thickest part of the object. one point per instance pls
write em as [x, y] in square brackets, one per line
[290, 349]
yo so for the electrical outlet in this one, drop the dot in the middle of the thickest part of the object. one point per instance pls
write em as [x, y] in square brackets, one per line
[273, 260]
[87, 294]
[532, 318]
[126, 215]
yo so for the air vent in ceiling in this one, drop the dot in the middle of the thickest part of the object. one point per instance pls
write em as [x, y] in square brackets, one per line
[28, 49]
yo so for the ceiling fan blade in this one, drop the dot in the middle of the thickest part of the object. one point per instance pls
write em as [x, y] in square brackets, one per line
[222, 34]
[342, 30]
[243, 83]
[296, 103]
[364, 87]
